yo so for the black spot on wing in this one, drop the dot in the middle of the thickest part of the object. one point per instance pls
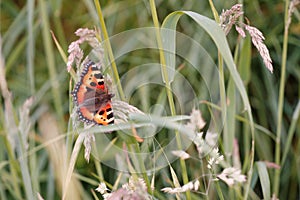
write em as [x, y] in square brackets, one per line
[101, 83]
[93, 84]
[101, 112]
[98, 76]
[111, 115]
[94, 68]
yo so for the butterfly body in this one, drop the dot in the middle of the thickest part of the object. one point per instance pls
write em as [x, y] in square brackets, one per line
[92, 98]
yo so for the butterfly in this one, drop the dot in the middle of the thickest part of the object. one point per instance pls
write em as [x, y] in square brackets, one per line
[92, 98]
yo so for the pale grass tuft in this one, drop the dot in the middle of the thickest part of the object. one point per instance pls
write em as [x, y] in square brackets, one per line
[200, 144]
[196, 185]
[135, 189]
[89, 138]
[10, 124]
[240, 31]
[232, 176]
[73, 117]
[257, 39]
[196, 121]
[39, 196]
[211, 138]
[190, 186]
[215, 158]
[292, 8]
[230, 17]
[25, 122]
[135, 184]
[85, 34]
[204, 146]
[102, 188]
[122, 111]
[76, 53]
[181, 154]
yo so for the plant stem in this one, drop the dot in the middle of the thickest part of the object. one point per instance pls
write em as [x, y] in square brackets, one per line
[30, 46]
[109, 49]
[168, 88]
[50, 61]
[219, 191]
[281, 101]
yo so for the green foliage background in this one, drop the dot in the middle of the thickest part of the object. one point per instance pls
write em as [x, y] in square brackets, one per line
[33, 65]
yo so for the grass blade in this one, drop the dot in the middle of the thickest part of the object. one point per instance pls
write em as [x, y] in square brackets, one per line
[264, 179]
[218, 36]
[51, 61]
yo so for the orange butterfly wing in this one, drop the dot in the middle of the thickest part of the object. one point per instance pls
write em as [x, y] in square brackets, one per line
[92, 98]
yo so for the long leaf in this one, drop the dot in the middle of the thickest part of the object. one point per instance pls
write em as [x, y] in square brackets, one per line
[219, 38]
[264, 179]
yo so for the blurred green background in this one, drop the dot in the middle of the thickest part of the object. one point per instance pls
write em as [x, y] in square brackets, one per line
[33, 64]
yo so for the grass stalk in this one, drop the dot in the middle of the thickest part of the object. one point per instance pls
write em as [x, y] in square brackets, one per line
[224, 112]
[281, 101]
[18, 50]
[168, 88]
[14, 168]
[50, 60]
[222, 97]
[291, 133]
[9, 127]
[30, 54]
[23, 161]
[116, 76]
[219, 191]
[142, 166]
[75, 152]
[30, 45]
[97, 163]
[59, 27]
[109, 49]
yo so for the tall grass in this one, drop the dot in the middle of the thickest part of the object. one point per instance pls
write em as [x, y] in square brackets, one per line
[165, 151]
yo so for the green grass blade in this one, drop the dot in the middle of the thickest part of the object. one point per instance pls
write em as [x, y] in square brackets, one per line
[71, 166]
[10, 38]
[264, 179]
[30, 45]
[281, 99]
[230, 121]
[25, 173]
[109, 49]
[50, 60]
[218, 36]
[244, 66]
[291, 132]
[165, 75]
